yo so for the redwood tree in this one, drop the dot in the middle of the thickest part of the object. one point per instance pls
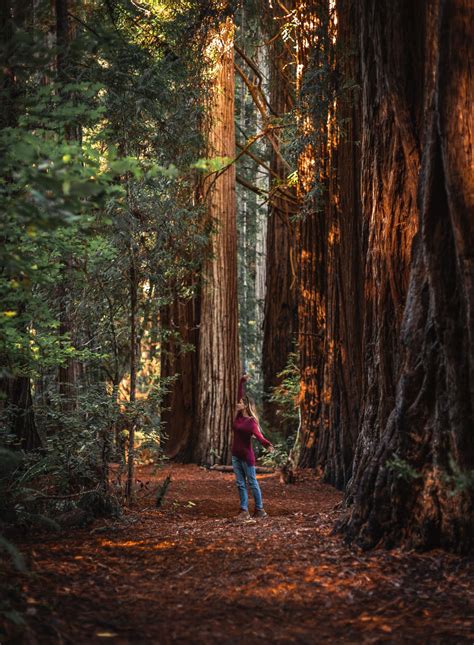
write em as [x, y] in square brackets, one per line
[315, 179]
[413, 465]
[340, 378]
[218, 357]
[386, 280]
[179, 320]
[279, 326]
[68, 371]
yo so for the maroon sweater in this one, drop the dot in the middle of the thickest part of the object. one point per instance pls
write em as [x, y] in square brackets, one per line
[244, 429]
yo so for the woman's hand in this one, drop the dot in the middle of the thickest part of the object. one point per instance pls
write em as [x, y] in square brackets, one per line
[245, 377]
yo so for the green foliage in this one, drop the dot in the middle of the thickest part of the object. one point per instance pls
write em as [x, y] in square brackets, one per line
[286, 394]
[99, 142]
[98, 150]
[461, 481]
[213, 165]
[402, 469]
[17, 498]
[278, 457]
[15, 555]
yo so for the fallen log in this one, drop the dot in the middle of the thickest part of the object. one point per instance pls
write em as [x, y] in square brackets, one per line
[260, 470]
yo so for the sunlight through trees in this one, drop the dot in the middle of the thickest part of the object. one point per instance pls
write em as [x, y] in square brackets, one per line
[198, 189]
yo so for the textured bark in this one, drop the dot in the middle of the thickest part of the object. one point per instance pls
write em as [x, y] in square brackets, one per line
[418, 345]
[355, 250]
[341, 380]
[180, 405]
[218, 335]
[315, 168]
[392, 105]
[279, 327]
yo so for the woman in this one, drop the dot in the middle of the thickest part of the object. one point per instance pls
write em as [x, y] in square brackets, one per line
[243, 458]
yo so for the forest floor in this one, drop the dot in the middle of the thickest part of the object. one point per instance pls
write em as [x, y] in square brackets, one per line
[190, 573]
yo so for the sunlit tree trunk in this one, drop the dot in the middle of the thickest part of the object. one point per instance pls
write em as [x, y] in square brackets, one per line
[279, 327]
[338, 420]
[416, 445]
[218, 335]
[315, 178]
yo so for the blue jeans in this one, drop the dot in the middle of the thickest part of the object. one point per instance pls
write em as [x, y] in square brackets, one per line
[245, 473]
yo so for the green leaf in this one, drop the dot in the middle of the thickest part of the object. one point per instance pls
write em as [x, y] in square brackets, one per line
[14, 554]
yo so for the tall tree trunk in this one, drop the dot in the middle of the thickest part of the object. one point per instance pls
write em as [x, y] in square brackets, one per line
[416, 447]
[315, 185]
[181, 320]
[218, 336]
[133, 281]
[338, 421]
[279, 327]
[67, 373]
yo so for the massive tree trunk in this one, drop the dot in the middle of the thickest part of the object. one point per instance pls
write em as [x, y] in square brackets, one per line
[416, 448]
[279, 327]
[218, 336]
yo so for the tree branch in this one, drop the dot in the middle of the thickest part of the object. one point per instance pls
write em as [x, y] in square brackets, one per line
[253, 92]
[271, 194]
[278, 188]
[256, 137]
[258, 74]
[246, 184]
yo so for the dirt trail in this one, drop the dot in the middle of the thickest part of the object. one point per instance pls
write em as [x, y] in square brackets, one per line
[189, 573]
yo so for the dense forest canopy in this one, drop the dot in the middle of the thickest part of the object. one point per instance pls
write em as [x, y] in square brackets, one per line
[194, 189]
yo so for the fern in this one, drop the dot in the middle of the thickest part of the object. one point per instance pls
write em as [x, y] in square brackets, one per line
[14, 553]
[402, 469]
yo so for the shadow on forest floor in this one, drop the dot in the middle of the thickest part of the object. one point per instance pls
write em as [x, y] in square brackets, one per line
[190, 572]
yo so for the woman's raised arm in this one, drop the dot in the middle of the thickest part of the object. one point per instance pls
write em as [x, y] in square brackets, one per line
[240, 393]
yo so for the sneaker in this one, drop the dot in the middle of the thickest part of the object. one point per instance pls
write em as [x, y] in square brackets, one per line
[243, 515]
[260, 513]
